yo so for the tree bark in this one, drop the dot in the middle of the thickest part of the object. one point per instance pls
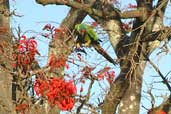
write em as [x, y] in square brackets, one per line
[6, 106]
[113, 98]
[130, 103]
[154, 25]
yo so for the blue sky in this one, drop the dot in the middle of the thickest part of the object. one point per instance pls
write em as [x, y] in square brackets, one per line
[35, 16]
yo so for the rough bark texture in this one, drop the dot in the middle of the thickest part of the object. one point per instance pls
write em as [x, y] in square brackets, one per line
[115, 94]
[130, 103]
[113, 28]
[5, 77]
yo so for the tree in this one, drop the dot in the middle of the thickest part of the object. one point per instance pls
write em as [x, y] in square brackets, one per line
[133, 50]
[5, 41]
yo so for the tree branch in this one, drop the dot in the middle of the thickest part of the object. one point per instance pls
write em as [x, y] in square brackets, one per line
[160, 74]
[91, 11]
[159, 35]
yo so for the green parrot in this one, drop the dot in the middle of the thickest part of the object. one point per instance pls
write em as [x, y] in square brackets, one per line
[87, 37]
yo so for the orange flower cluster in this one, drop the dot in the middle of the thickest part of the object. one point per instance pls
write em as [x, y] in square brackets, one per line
[26, 51]
[158, 112]
[57, 91]
[21, 108]
[105, 73]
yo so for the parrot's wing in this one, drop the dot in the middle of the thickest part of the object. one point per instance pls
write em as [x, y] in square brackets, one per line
[92, 34]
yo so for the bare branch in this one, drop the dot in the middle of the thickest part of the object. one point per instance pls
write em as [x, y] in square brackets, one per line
[160, 74]
[159, 35]
[91, 11]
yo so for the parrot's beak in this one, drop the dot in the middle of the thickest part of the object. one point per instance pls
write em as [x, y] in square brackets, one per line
[78, 45]
[86, 44]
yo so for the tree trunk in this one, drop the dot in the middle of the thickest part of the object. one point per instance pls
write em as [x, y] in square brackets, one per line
[130, 103]
[117, 90]
[5, 77]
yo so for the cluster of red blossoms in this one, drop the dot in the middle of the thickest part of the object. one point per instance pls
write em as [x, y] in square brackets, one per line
[26, 51]
[158, 112]
[57, 91]
[54, 32]
[107, 74]
[21, 108]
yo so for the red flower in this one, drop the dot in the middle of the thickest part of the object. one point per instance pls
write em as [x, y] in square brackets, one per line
[102, 73]
[71, 88]
[67, 66]
[126, 26]
[110, 76]
[26, 51]
[21, 107]
[94, 24]
[81, 89]
[151, 111]
[132, 6]
[57, 30]
[86, 71]
[51, 59]
[66, 104]
[58, 92]
[13, 65]
[161, 112]
[47, 27]
[106, 74]
[82, 81]
[24, 37]
[40, 86]
[100, 76]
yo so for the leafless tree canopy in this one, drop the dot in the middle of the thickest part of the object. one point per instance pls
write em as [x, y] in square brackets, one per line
[146, 33]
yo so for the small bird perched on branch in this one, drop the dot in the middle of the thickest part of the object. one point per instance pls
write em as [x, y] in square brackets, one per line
[87, 37]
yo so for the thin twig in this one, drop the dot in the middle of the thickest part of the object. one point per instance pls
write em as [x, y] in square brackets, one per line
[160, 74]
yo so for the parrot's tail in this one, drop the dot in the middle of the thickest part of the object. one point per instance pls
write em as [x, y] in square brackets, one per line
[101, 51]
